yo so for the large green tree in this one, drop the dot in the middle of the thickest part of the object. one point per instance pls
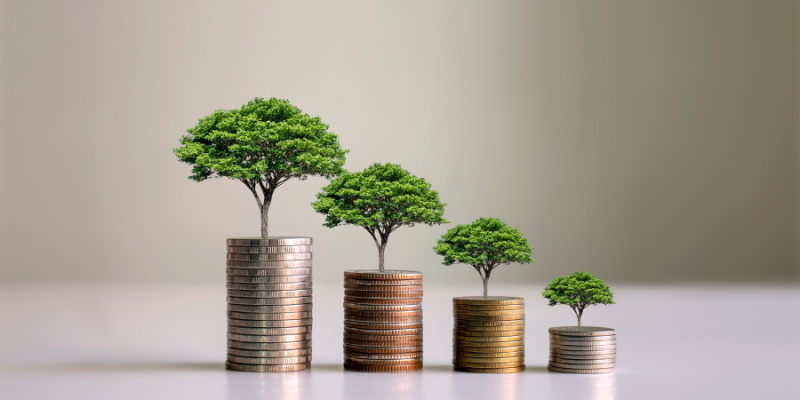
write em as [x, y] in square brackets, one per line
[484, 244]
[381, 199]
[578, 291]
[263, 144]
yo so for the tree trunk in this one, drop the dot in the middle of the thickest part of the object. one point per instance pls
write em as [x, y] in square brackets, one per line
[579, 319]
[265, 220]
[485, 287]
[381, 249]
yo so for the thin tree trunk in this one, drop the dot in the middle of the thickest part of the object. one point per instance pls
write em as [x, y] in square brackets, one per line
[381, 249]
[579, 319]
[485, 287]
[265, 220]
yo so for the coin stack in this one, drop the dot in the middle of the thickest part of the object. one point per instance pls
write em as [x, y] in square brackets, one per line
[382, 321]
[582, 349]
[489, 334]
[269, 304]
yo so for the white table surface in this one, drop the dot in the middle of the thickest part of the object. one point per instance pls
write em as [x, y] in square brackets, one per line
[150, 342]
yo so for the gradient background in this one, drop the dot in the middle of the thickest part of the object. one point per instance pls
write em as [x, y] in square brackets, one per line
[642, 141]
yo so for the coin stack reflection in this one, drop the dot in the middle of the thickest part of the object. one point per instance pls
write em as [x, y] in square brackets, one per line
[582, 349]
[382, 321]
[489, 334]
[269, 304]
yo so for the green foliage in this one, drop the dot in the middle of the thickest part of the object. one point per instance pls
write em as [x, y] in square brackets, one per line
[484, 244]
[578, 291]
[381, 199]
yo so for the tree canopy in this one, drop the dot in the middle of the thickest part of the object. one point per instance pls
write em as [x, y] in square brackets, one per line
[262, 144]
[578, 291]
[381, 199]
[484, 244]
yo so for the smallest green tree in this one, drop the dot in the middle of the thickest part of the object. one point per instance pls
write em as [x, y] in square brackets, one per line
[484, 244]
[578, 291]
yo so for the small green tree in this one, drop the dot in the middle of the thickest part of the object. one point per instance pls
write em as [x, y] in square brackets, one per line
[578, 290]
[381, 199]
[484, 244]
[263, 144]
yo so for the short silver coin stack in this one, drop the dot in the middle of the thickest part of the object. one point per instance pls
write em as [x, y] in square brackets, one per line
[582, 349]
[269, 304]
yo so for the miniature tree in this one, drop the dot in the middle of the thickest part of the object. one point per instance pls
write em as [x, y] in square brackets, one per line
[578, 290]
[263, 144]
[484, 244]
[381, 199]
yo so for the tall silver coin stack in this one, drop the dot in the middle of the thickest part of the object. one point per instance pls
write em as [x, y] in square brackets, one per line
[269, 304]
[582, 349]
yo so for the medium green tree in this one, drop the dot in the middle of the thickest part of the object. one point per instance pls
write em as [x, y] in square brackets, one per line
[485, 244]
[578, 291]
[263, 144]
[380, 199]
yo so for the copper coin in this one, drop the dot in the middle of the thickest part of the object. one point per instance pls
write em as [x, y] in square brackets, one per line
[266, 368]
[384, 332]
[383, 288]
[362, 294]
[270, 324]
[354, 300]
[303, 344]
[367, 361]
[278, 316]
[269, 331]
[371, 274]
[355, 318]
[267, 272]
[387, 314]
[411, 343]
[270, 241]
[491, 300]
[269, 286]
[375, 325]
[268, 279]
[382, 338]
[383, 356]
[581, 331]
[374, 368]
[268, 339]
[381, 350]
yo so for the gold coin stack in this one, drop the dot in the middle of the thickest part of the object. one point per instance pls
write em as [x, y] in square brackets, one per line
[382, 321]
[582, 349]
[489, 334]
[269, 304]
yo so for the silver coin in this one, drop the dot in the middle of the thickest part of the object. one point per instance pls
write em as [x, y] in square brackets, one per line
[269, 286]
[583, 362]
[275, 256]
[580, 366]
[382, 307]
[584, 338]
[270, 249]
[382, 350]
[263, 294]
[291, 308]
[568, 347]
[266, 368]
[583, 342]
[303, 344]
[285, 323]
[581, 331]
[269, 353]
[383, 288]
[271, 280]
[270, 241]
[580, 357]
[556, 351]
[286, 301]
[581, 371]
[270, 360]
[276, 316]
[294, 330]
[374, 282]
[268, 339]
[250, 261]
[267, 272]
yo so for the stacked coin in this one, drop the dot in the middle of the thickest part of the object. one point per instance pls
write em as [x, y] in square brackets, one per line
[489, 334]
[382, 321]
[582, 349]
[269, 304]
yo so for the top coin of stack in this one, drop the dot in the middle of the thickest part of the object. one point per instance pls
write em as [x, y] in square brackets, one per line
[382, 320]
[582, 349]
[489, 334]
[269, 304]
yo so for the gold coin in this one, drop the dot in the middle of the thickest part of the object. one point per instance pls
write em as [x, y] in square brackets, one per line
[382, 307]
[488, 308]
[383, 356]
[383, 288]
[382, 276]
[460, 354]
[581, 331]
[355, 318]
[382, 350]
[491, 300]
[268, 339]
[269, 331]
[304, 344]
[267, 272]
[269, 353]
[478, 322]
[557, 351]
[488, 313]
[266, 368]
[387, 314]
[270, 324]
[510, 317]
[382, 338]
[270, 249]
[361, 294]
[279, 308]
[489, 350]
[490, 328]
[269, 360]
[355, 300]
[489, 370]
[254, 261]
[375, 368]
[367, 361]
[384, 332]
[389, 326]
[459, 332]
[278, 316]
[567, 347]
[459, 338]
[488, 365]
[582, 363]
[581, 371]
[269, 286]
[373, 282]
[410, 343]
[490, 360]
[268, 279]
[270, 241]
[464, 344]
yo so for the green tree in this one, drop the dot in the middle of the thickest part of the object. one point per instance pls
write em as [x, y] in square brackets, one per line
[263, 144]
[381, 199]
[578, 290]
[484, 244]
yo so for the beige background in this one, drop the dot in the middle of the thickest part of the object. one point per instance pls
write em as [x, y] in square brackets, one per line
[640, 141]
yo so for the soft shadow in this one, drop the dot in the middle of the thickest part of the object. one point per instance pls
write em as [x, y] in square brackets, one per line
[327, 367]
[438, 368]
[128, 367]
[538, 369]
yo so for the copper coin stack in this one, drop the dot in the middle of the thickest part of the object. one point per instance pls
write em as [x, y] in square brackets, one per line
[489, 334]
[582, 349]
[269, 304]
[382, 321]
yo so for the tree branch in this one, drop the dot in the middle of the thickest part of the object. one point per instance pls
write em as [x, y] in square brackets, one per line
[253, 190]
